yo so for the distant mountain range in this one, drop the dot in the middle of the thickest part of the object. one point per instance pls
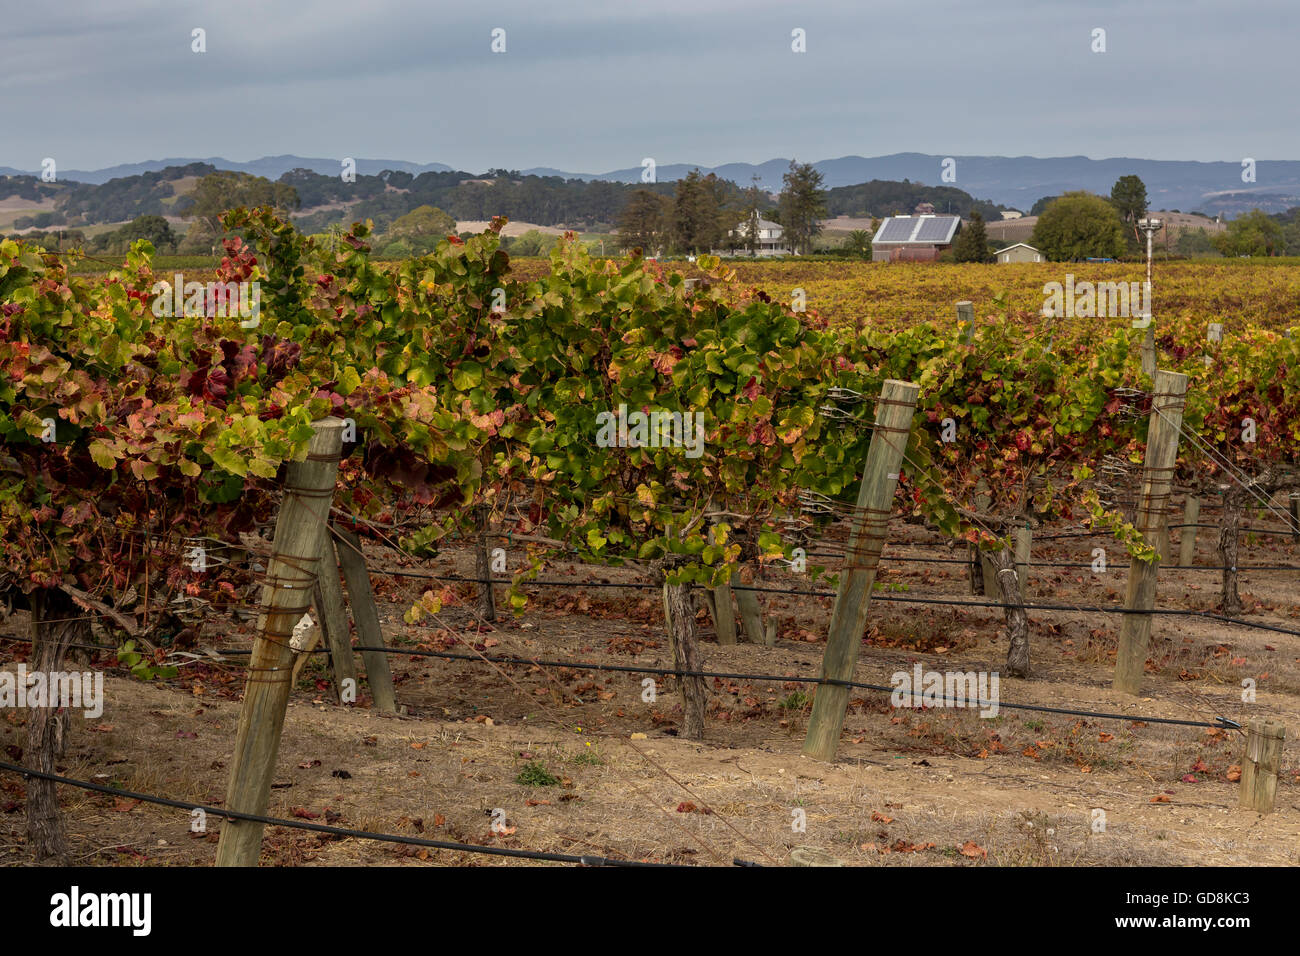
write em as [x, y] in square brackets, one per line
[1017, 181]
[272, 167]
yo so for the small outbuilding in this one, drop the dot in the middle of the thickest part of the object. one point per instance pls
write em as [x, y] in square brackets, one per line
[1020, 252]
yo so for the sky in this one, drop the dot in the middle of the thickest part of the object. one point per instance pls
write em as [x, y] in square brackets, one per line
[597, 85]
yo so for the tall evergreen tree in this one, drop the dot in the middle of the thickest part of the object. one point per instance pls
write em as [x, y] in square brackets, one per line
[972, 243]
[802, 205]
[642, 223]
[1129, 196]
[697, 213]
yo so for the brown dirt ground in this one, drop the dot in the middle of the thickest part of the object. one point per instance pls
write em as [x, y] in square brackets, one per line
[910, 787]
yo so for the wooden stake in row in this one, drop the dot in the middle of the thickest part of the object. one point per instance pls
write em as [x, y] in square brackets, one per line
[1187, 539]
[866, 539]
[291, 577]
[1260, 767]
[303, 571]
[1167, 401]
[365, 615]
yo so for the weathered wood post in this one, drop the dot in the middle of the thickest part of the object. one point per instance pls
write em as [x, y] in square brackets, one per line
[723, 612]
[366, 618]
[1187, 539]
[334, 623]
[984, 501]
[866, 540]
[751, 613]
[1149, 352]
[1260, 767]
[1024, 543]
[1294, 503]
[290, 576]
[1167, 400]
[487, 605]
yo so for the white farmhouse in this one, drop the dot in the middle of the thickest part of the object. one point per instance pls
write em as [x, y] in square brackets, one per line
[771, 239]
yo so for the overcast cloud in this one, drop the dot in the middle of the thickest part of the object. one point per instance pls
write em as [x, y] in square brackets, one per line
[596, 85]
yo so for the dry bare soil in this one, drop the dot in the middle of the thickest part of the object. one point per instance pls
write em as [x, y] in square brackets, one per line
[911, 787]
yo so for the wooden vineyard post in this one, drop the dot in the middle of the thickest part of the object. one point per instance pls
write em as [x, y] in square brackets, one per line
[366, 618]
[1187, 538]
[751, 613]
[1024, 542]
[487, 605]
[724, 613]
[966, 320]
[290, 575]
[866, 539]
[1260, 767]
[982, 504]
[679, 620]
[1167, 400]
[1149, 352]
[1294, 510]
[334, 622]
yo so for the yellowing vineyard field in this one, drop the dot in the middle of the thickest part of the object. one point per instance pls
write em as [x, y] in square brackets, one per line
[1234, 294]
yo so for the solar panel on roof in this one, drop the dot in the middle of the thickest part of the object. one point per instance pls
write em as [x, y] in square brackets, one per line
[934, 230]
[897, 230]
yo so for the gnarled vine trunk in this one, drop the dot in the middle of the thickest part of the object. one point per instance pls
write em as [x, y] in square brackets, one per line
[1229, 535]
[679, 619]
[975, 569]
[1004, 565]
[56, 623]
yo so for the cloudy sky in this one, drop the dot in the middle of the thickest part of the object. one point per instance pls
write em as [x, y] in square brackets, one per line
[596, 85]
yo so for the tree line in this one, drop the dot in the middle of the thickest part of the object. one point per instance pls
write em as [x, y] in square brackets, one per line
[705, 213]
[695, 214]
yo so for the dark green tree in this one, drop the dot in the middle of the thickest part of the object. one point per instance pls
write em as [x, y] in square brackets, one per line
[1254, 234]
[1079, 225]
[972, 243]
[224, 189]
[643, 222]
[697, 212]
[1195, 242]
[1129, 196]
[422, 221]
[802, 205]
[1037, 208]
[154, 228]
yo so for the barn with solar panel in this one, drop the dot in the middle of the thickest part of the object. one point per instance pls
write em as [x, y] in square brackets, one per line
[914, 238]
